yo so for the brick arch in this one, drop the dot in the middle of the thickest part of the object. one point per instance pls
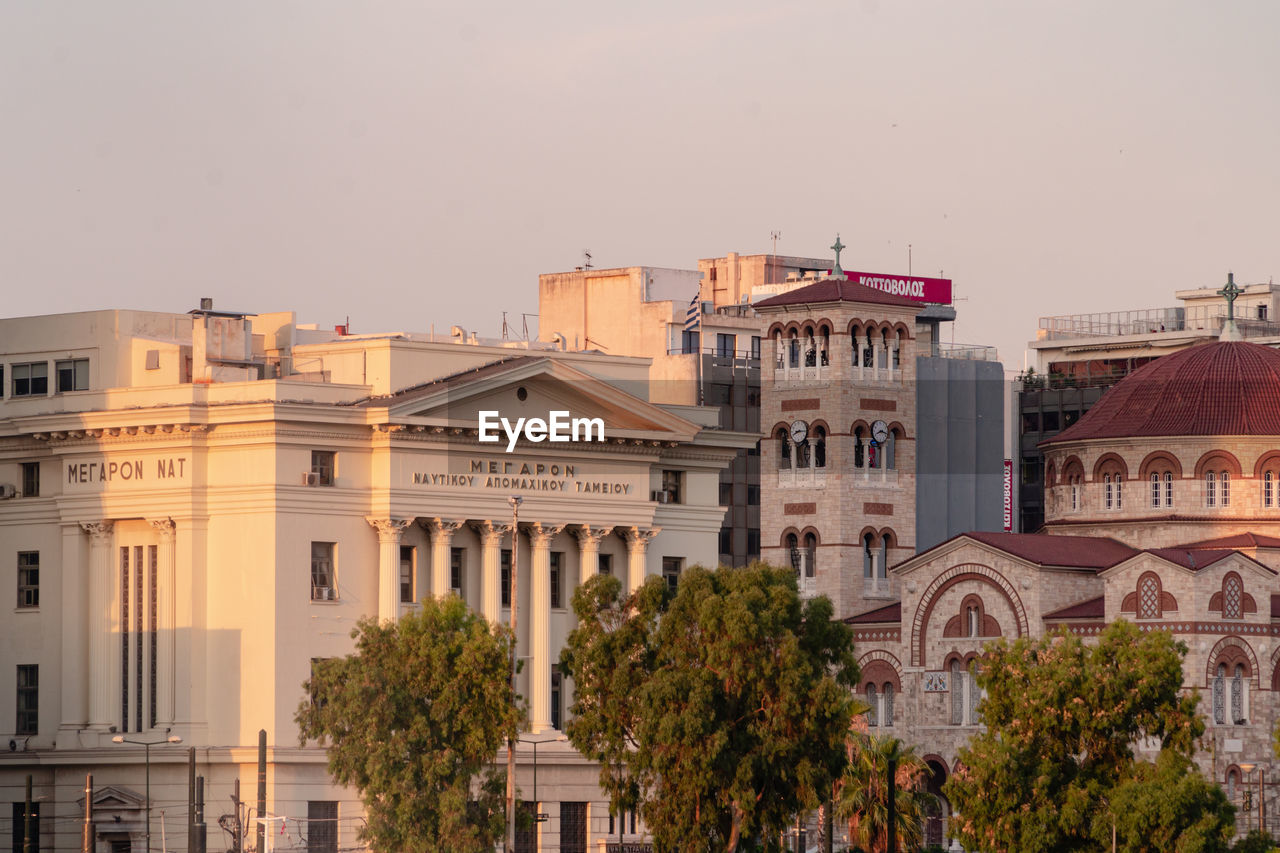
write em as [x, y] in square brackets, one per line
[855, 323]
[825, 321]
[775, 328]
[948, 579]
[809, 328]
[903, 332]
[1247, 602]
[1159, 456]
[880, 666]
[1131, 603]
[896, 426]
[773, 430]
[957, 626]
[819, 422]
[811, 529]
[859, 423]
[1240, 650]
[1071, 465]
[793, 326]
[1113, 458]
[875, 536]
[1051, 475]
[782, 537]
[1218, 459]
[1270, 459]
[888, 533]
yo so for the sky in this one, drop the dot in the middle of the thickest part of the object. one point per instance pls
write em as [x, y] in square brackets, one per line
[410, 164]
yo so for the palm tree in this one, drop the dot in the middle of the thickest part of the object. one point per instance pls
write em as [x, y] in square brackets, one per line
[862, 795]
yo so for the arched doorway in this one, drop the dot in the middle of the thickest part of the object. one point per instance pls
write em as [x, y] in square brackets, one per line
[937, 809]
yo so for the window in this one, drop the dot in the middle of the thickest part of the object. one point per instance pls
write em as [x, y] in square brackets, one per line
[73, 374]
[793, 551]
[28, 578]
[28, 721]
[31, 479]
[972, 619]
[1168, 488]
[784, 449]
[726, 494]
[1225, 478]
[557, 580]
[1232, 597]
[322, 466]
[1210, 489]
[1149, 597]
[31, 380]
[819, 447]
[1155, 491]
[671, 483]
[457, 560]
[755, 347]
[1238, 716]
[322, 826]
[323, 584]
[573, 827]
[1219, 699]
[505, 583]
[753, 495]
[407, 555]
[605, 566]
[689, 341]
[557, 683]
[959, 687]
[725, 345]
[19, 825]
[671, 567]
[810, 554]
[873, 706]
[1269, 489]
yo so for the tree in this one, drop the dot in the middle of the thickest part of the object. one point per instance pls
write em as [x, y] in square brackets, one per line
[1061, 720]
[721, 708]
[412, 719]
[1167, 807]
[862, 796]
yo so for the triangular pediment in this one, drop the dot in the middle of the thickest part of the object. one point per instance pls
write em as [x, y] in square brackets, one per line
[533, 388]
[115, 798]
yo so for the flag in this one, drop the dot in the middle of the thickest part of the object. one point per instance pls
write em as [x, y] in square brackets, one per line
[693, 316]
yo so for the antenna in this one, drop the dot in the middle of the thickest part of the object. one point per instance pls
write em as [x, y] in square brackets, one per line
[504, 325]
[908, 259]
[774, 235]
[586, 254]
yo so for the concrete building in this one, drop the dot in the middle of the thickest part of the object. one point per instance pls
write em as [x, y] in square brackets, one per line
[196, 506]
[1163, 509]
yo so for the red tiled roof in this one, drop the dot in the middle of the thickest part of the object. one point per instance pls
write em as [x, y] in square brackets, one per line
[1220, 388]
[1093, 608]
[888, 613]
[1083, 552]
[1195, 559]
[835, 290]
[1236, 541]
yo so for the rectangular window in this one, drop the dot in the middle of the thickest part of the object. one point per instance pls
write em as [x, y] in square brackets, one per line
[725, 345]
[606, 564]
[407, 561]
[28, 578]
[19, 825]
[556, 683]
[28, 699]
[322, 826]
[573, 827]
[557, 581]
[457, 560]
[31, 479]
[73, 374]
[753, 543]
[671, 571]
[671, 484]
[505, 582]
[726, 494]
[31, 380]
[324, 586]
[755, 347]
[322, 466]
[690, 341]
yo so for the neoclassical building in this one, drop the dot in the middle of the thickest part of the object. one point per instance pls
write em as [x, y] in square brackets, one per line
[1163, 509]
[195, 507]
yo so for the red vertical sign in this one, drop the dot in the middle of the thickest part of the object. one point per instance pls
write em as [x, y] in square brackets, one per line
[1008, 496]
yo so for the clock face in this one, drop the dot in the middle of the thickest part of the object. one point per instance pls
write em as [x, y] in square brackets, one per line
[880, 432]
[799, 431]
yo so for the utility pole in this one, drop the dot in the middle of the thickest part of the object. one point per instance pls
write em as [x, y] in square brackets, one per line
[191, 798]
[893, 806]
[515, 501]
[237, 835]
[262, 789]
[86, 840]
[197, 823]
[26, 821]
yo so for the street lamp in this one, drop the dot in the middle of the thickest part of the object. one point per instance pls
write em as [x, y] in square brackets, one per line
[539, 817]
[147, 744]
[515, 501]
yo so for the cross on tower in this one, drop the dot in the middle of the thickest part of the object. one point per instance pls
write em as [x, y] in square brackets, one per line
[837, 247]
[1229, 292]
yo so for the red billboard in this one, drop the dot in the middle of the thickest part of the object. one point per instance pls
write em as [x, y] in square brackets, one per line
[936, 290]
[1008, 496]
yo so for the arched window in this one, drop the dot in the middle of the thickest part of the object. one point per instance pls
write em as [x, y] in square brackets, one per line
[884, 557]
[802, 453]
[784, 449]
[793, 343]
[975, 695]
[810, 350]
[1168, 488]
[1233, 781]
[1073, 484]
[810, 554]
[868, 353]
[859, 447]
[887, 694]
[793, 551]
[1225, 478]
[897, 352]
[1155, 491]
[958, 691]
[779, 349]
[972, 620]
[873, 717]
[1269, 490]
[1108, 496]
[824, 347]
[1238, 711]
[1210, 488]
[891, 449]
[819, 439]
[1232, 596]
[1220, 700]
[1149, 597]
[872, 564]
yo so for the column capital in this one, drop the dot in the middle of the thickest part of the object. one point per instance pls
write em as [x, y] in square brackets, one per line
[590, 536]
[389, 529]
[638, 538]
[441, 527]
[164, 526]
[99, 530]
[490, 532]
[540, 533]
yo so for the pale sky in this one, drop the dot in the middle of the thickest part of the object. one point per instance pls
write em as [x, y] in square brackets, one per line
[416, 163]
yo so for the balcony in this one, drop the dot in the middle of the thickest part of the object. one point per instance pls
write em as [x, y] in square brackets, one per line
[877, 588]
[872, 477]
[802, 478]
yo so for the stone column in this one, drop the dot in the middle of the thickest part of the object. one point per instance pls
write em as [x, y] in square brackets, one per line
[589, 550]
[389, 530]
[102, 664]
[638, 539]
[491, 535]
[75, 640]
[540, 536]
[441, 531]
[165, 622]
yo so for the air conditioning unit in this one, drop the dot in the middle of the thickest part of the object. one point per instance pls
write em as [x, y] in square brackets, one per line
[310, 478]
[8, 490]
[661, 496]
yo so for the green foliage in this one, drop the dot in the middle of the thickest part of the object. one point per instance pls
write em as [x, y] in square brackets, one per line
[721, 710]
[1257, 841]
[862, 797]
[412, 719]
[1167, 807]
[1061, 720]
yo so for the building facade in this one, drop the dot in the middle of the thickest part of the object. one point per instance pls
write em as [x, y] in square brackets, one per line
[195, 507]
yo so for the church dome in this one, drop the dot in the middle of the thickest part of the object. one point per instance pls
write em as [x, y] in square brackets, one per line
[1220, 388]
